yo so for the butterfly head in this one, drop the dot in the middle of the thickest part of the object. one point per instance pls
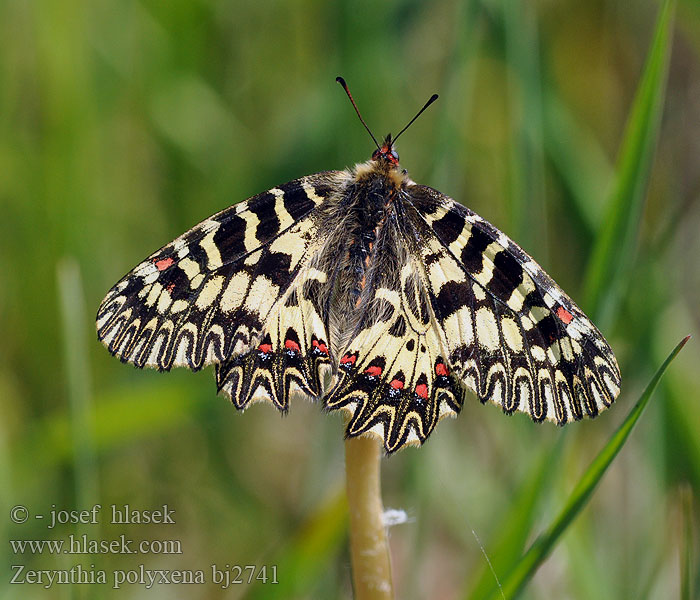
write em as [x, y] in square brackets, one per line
[386, 152]
[384, 156]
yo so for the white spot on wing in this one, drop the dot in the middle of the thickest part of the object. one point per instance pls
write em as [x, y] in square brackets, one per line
[213, 255]
[566, 349]
[459, 328]
[263, 294]
[479, 292]
[252, 221]
[554, 354]
[253, 258]
[209, 292]
[190, 267]
[145, 269]
[164, 301]
[512, 335]
[196, 281]
[283, 215]
[538, 353]
[487, 329]
[179, 306]
[235, 292]
[153, 294]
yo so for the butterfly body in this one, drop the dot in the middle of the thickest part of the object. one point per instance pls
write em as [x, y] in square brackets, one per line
[370, 293]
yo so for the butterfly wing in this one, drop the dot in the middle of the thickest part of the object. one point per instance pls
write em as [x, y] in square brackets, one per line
[226, 289]
[452, 305]
[513, 336]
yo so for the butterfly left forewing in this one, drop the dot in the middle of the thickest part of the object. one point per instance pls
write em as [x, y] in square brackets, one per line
[214, 292]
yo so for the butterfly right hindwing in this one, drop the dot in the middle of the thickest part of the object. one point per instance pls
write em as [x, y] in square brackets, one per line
[393, 378]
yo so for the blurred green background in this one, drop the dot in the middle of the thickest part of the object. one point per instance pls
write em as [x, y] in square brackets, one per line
[125, 122]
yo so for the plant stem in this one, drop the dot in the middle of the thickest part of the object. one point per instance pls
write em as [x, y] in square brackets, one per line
[369, 547]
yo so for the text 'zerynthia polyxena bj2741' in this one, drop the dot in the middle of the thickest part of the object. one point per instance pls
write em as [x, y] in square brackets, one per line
[370, 293]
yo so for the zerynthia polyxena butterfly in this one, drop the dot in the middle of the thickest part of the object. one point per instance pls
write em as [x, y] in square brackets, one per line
[369, 293]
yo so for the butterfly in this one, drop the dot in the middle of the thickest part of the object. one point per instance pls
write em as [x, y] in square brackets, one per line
[370, 293]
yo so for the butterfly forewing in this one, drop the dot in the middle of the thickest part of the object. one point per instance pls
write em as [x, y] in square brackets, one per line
[214, 291]
[514, 337]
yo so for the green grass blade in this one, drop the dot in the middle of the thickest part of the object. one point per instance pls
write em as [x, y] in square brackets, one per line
[686, 555]
[542, 546]
[72, 306]
[311, 552]
[507, 549]
[613, 248]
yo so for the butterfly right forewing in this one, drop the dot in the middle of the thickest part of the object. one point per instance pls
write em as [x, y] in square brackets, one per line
[514, 336]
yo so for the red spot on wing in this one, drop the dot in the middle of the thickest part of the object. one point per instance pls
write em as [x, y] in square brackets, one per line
[564, 315]
[373, 371]
[441, 369]
[291, 345]
[163, 263]
[397, 384]
[320, 345]
[348, 359]
[265, 348]
[422, 391]
[170, 287]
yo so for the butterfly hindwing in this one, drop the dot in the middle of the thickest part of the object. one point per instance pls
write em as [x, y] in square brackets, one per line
[392, 376]
[224, 289]
[292, 353]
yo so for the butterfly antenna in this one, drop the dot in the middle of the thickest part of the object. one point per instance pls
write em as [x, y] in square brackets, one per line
[341, 81]
[427, 104]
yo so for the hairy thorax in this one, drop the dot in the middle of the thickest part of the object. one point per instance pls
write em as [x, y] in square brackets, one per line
[361, 253]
